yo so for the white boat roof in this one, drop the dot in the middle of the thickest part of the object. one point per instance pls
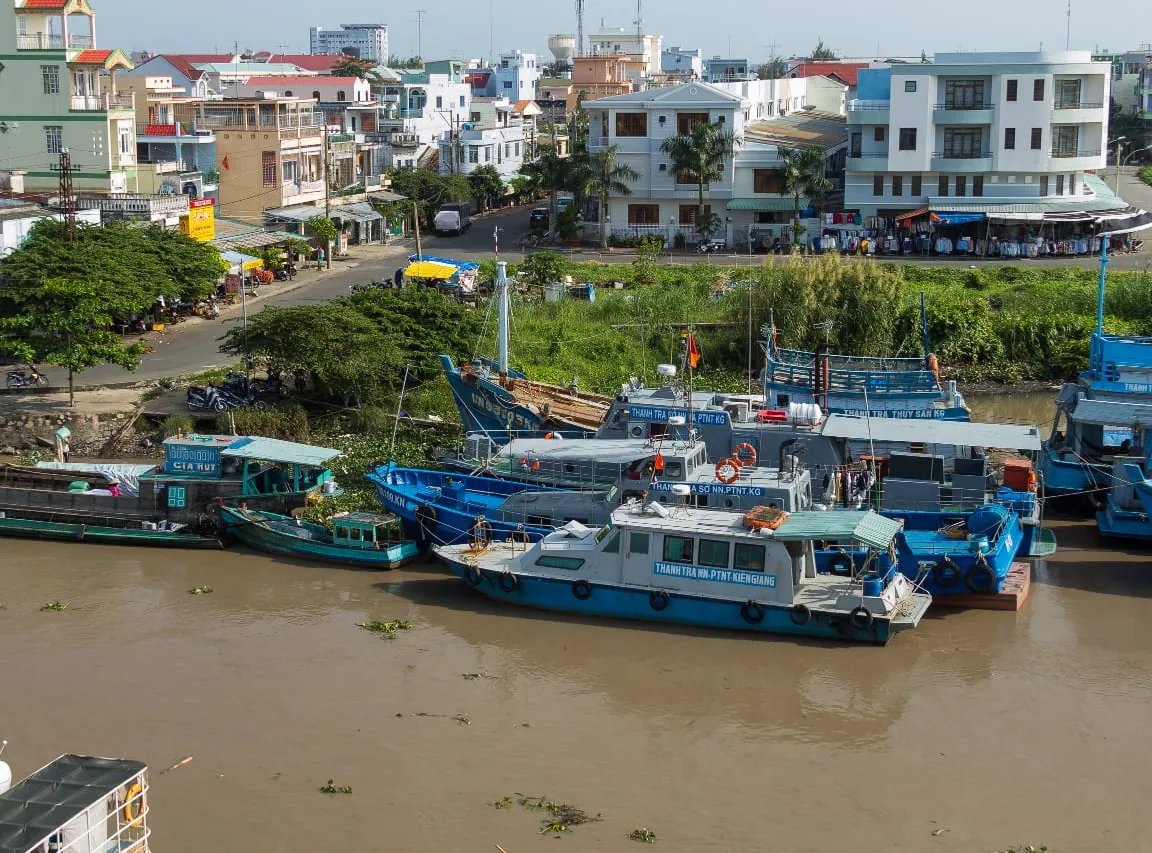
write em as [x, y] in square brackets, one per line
[930, 431]
[1115, 413]
[599, 450]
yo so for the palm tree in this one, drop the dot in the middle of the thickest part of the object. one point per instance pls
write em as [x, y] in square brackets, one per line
[607, 176]
[551, 173]
[698, 157]
[803, 175]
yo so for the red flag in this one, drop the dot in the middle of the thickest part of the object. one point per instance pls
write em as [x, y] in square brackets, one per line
[693, 352]
[226, 166]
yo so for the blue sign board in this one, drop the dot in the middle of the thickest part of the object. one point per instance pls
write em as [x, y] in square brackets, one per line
[657, 414]
[192, 458]
[713, 489]
[701, 573]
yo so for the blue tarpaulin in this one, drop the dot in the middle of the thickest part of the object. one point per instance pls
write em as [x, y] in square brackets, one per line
[464, 265]
[957, 218]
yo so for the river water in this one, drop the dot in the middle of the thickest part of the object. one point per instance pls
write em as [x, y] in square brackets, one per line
[997, 728]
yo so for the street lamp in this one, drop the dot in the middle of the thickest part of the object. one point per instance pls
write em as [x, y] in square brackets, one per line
[1120, 140]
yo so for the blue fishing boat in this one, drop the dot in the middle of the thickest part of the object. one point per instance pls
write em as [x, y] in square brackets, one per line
[361, 539]
[447, 508]
[860, 385]
[1103, 415]
[703, 568]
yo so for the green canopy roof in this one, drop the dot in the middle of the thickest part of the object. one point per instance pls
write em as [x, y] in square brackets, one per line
[765, 204]
[865, 527]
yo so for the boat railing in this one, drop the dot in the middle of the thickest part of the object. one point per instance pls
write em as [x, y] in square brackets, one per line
[844, 380]
[117, 822]
[878, 364]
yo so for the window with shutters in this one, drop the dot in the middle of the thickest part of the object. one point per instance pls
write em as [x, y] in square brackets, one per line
[767, 181]
[631, 124]
[877, 185]
[897, 185]
[1037, 138]
[978, 185]
[685, 122]
[268, 166]
[916, 186]
[1010, 138]
[942, 189]
[643, 214]
[1012, 90]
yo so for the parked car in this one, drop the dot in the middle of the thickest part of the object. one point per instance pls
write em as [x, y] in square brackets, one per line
[453, 218]
[563, 203]
[538, 220]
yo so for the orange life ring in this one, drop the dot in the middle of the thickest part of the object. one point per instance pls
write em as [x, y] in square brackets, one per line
[728, 470]
[535, 465]
[135, 805]
[743, 450]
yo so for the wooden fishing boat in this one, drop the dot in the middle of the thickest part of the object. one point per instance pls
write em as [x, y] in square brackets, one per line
[361, 539]
[105, 530]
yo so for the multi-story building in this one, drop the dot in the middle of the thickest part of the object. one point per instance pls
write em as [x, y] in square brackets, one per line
[682, 62]
[417, 107]
[183, 74]
[618, 42]
[496, 136]
[596, 77]
[516, 75]
[987, 131]
[269, 151]
[1128, 71]
[59, 92]
[366, 41]
[719, 70]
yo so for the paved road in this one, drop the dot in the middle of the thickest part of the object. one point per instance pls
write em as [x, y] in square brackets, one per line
[193, 345]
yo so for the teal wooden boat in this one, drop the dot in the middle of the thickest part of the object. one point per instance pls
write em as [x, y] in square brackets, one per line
[362, 539]
[108, 534]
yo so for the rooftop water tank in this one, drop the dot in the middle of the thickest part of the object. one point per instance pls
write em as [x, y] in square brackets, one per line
[562, 46]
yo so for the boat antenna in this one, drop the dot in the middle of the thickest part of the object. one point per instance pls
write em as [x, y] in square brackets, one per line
[924, 328]
[399, 409]
[1100, 293]
[502, 316]
[868, 422]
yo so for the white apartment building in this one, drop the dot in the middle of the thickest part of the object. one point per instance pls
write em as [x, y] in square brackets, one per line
[517, 74]
[366, 41]
[58, 92]
[682, 62]
[980, 132]
[616, 41]
[418, 107]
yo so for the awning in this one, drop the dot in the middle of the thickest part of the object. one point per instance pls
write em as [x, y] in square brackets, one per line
[245, 262]
[912, 214]
[276, 450]
[1015, 217]
[430, 269]
[386, 196]
[295, 213]
[1139, 221]
[766, 204]
[359, 211]
[924, 431]
[866, 527]
[953, 218]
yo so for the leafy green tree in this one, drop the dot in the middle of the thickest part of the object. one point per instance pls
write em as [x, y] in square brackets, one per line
[541, 268]
[698, 157]
[430, 190]
[487, 185]
[354, 66]
[820, 53]
[405, 63]
[549, 173]
[609, 177]
[803, 175]
[774, 69]
[325, 231]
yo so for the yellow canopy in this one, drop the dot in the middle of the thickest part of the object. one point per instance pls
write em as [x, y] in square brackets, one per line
[430, 269]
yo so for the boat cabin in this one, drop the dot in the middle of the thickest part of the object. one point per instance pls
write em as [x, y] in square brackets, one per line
[366, 530]
[78, 804]
[1118, 365]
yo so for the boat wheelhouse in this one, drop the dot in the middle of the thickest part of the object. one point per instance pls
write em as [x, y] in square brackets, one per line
[705, 568]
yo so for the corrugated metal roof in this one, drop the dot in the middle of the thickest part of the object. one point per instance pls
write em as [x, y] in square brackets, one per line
[1112, 413]
[276, 450]
[804, 128]
[361, 211]
[865, 527]
[765, 204]
[923, 431]
[295, 213]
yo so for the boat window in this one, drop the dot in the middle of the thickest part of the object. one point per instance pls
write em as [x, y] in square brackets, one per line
[538, 521]
[638, 543]
[782, 401]
[678, 549]
[355, 534]
[569, 467]
[613, 546]
[749, 558]
[340, 532]
[571, 564]
[713, 553]
[674, 469]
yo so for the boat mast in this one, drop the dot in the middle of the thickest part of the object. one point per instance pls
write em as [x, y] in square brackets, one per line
[924, 329]
[1100, 294]
[502, 328]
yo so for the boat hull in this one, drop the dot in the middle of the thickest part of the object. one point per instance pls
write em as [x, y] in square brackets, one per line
[634, 604]
[97, 534]
[266, 539]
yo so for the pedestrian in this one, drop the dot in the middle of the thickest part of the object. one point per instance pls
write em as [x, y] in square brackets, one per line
[63, 449]
[114, 487]
[398, 277]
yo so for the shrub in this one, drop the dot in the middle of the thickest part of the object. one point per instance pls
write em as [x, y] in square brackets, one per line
[174, 424]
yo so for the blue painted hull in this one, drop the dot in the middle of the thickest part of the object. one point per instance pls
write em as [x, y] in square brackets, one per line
[405, 490]
[1116, 523]
[1059, 477]
[632, 604]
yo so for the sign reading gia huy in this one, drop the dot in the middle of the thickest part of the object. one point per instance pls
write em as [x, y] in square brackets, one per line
[657, 414]
[702, 573]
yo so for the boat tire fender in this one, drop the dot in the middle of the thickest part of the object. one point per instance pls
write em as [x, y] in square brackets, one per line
[508, 582]
[426, 517]
[861, 618]
[481, 532]
[582, 590]
[841, 563]
[473, 576]
[752, 612]
[659, 600]
[980, 578]
[800, 614]
[946, 573]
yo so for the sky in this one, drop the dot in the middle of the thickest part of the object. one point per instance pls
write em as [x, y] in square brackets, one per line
[751, 29]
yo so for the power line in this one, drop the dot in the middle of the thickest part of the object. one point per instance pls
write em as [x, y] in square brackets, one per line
[420, 13]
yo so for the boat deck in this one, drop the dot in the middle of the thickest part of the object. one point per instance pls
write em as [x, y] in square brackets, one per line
[936, 542]
[1013, 593]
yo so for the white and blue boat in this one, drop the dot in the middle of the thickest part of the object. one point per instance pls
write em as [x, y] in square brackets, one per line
[446, 507]
[1127, 510]
[703, 568]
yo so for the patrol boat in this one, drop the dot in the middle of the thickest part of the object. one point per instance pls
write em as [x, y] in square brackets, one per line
[706, 568]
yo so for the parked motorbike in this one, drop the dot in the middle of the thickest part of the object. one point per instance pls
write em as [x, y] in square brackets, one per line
[33, 378]
[710, 248]
[234, 398]
[208, 309]
[205, 399]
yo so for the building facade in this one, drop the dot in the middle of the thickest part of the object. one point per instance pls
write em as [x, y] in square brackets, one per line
[986, 129]
[418, 107]
[682, 62]
[496, 135]
[58, 92]
[366, 41]
[516, 75]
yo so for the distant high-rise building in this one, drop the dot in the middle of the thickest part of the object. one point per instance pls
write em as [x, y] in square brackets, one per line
[366, 41]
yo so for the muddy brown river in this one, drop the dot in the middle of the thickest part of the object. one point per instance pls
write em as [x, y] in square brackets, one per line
[993, 728]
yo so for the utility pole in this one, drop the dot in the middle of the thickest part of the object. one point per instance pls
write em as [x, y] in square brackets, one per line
[1068, 40]
[416, 224]
[492, 32]
[420, 13]
[67, 195]
[328, 189]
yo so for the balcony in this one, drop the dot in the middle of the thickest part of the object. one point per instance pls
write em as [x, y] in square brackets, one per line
[134, 205]
[103, 103]
[53, 41]
[597, 143]
[310, 187]
[1065, 160]
[185, 132]
[1077, 112]
[868, 160]
[405, 140]
[869, 112]
[953, 161]
[968, 114]
[412, 113]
